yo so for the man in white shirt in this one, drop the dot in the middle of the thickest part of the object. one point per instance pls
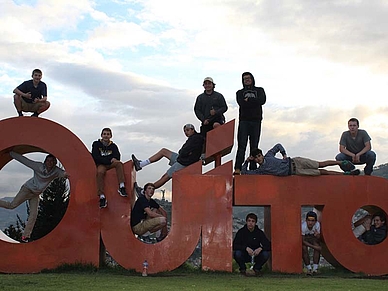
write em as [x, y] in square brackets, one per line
[311, 234]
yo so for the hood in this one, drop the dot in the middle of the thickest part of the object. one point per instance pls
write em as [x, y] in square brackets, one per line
[248, 73]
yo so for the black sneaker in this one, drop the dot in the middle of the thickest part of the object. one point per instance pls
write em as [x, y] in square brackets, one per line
[103, 202]
[138, 190]
[136, 163]
[122, 192]
[355, 172]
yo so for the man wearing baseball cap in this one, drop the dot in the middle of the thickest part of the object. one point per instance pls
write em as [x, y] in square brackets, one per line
[189, 153]
[210, 107]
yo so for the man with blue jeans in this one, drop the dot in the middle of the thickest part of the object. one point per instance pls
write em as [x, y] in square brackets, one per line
[250, 243]
[355, 146]
[250, 100]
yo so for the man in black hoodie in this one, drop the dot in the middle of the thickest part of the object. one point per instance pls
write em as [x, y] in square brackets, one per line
[189, 153]
[251, 244]
[250, 100]
[106, 155]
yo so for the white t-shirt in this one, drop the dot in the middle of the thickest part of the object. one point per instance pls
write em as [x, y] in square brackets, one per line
[307, 231]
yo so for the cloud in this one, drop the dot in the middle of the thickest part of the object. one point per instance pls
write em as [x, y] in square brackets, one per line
[137, 67]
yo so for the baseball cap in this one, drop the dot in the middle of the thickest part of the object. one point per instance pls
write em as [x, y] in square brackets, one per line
[189, 125]
[209, 79]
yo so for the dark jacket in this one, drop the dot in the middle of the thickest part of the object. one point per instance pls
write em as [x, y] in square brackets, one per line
[191, 150]
[205, 103]
[255, 239]
[103, 155]
[251, 110]
[374, 235]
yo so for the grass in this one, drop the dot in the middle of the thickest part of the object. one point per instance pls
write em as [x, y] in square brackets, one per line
[88, 278]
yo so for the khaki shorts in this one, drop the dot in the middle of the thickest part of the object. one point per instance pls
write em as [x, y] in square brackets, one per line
[30, 107]
[147, 225]
[306, 167]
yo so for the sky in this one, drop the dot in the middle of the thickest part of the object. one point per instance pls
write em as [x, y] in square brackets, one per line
[138, 66]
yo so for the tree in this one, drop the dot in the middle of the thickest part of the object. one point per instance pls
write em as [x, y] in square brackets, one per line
[52, 207]
[15, 232]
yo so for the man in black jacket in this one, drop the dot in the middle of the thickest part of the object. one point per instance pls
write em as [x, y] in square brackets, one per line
[189, 153]
[377, 232]
[210, 107]
[250, 100]
[106, 155]
[251, 244]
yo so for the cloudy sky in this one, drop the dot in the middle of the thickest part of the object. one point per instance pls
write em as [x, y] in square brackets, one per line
[137, 67]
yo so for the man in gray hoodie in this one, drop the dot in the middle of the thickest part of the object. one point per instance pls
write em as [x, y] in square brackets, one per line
[44, 173]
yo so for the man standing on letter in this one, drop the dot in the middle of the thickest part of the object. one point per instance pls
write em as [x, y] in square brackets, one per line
[250, 100]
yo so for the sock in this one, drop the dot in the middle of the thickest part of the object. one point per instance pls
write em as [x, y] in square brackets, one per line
[145, 163]
[102, 196]
[308, 267]
[147, 234]
[122, 185]
[315, 267]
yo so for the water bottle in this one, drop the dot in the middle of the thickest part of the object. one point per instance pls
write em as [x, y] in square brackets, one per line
[145, 269]
[252, 261]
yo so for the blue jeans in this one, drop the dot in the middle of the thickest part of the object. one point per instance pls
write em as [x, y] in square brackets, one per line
[242, 257]
[251, 129]
[369, 158]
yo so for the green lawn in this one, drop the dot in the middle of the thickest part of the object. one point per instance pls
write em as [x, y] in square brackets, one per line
[181, 280]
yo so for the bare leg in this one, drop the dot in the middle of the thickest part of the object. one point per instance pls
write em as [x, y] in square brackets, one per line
[316, 256]
[18, 102]
[33, 203]
[327, 172]
[44, 107]
[162, 225]
[329, 163]
[160, 154]
[163, 180]
[305, 255]
[164, 230]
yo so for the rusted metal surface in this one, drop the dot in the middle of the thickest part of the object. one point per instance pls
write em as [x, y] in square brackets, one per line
[338, 197]
[202, 204]
[76, 238]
